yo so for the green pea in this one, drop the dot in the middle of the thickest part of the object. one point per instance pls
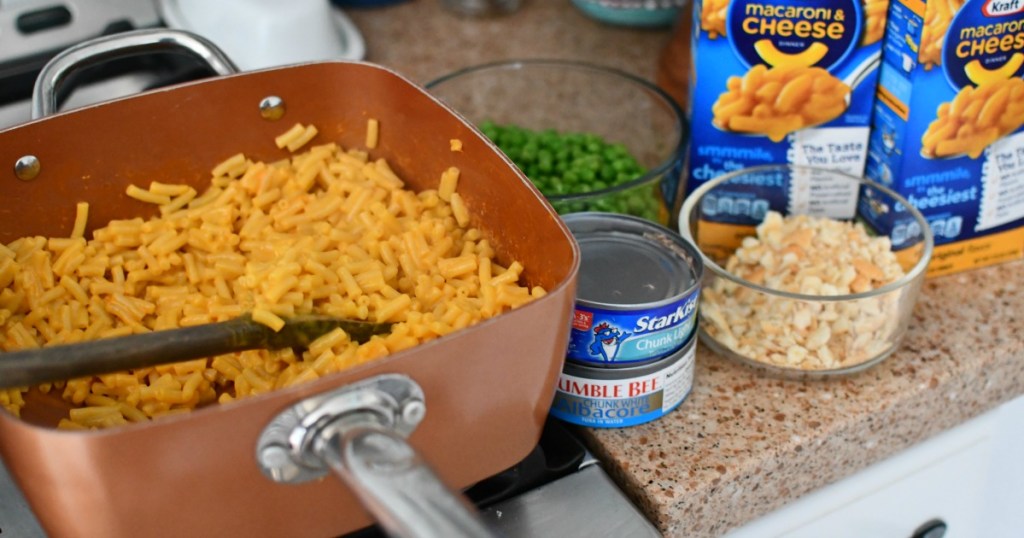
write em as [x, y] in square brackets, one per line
[528, 154]
[561, 163]
[545, 164]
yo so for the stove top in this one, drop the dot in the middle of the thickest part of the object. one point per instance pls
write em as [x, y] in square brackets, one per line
[33, 31]
[559, 489]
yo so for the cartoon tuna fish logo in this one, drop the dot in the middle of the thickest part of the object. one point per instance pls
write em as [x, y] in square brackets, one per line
[607, 340]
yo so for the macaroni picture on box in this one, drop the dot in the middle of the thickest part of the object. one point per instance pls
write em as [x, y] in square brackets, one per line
[330, 230]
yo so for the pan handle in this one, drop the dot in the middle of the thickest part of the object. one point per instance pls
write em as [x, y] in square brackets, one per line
[121, 45]
[358, 432]
[395, 485]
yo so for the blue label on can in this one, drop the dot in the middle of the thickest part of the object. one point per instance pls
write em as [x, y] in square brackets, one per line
[622, 337]
[633, 398]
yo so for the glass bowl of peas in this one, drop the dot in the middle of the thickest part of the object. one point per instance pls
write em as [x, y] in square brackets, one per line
[591, 138]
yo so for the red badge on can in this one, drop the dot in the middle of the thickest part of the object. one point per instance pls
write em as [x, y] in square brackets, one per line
[582, 320]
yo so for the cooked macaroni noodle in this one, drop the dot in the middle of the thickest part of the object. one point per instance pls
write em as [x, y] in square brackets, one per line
[975, 118]
[937, 16]
[372, 133]
[875, 12]
[712, 17]
[330, 231]
[780, 100]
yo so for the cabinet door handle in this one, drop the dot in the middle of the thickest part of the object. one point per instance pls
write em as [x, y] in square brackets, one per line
[935, 528]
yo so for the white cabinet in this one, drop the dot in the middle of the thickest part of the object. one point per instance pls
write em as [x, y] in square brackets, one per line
[970, 477]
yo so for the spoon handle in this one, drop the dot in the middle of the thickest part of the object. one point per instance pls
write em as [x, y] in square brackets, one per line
[32, 366]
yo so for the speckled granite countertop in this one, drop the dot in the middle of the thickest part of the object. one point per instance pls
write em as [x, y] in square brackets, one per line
[742, 445]
[423, 41]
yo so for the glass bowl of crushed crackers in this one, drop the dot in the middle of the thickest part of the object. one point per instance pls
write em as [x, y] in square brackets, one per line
[810, 272]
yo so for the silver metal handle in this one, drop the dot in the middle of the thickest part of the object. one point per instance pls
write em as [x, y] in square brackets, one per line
[396, 485]
[102, 49]
[358, 432]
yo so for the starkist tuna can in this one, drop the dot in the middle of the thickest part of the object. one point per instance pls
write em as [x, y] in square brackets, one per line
[637, 291]
[621, 397]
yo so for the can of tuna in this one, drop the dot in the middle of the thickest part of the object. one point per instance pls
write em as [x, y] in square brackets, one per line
[637, 291]
[620, 397]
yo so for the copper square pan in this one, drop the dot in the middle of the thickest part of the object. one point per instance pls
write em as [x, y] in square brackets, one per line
[487, 388]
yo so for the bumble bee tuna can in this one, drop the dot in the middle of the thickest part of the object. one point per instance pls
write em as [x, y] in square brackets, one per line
[637, 291]
[621, 397]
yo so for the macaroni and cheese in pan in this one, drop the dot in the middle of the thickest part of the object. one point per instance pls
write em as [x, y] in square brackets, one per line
[330, 230]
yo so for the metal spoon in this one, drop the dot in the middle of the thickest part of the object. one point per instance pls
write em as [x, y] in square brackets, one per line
[33, 366]
[861, 72]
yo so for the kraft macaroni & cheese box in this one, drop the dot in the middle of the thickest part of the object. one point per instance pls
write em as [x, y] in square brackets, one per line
[780, 81]
[946, 132]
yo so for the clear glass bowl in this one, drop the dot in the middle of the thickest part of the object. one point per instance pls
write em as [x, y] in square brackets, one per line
[576, 97]
[803, 335]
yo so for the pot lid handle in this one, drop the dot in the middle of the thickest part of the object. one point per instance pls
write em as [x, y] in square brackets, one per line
[121, 45]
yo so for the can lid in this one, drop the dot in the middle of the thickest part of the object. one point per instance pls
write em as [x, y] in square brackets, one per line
[630, 261]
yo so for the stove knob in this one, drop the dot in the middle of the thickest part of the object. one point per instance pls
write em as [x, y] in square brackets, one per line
[43, 19]
[935, 528]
